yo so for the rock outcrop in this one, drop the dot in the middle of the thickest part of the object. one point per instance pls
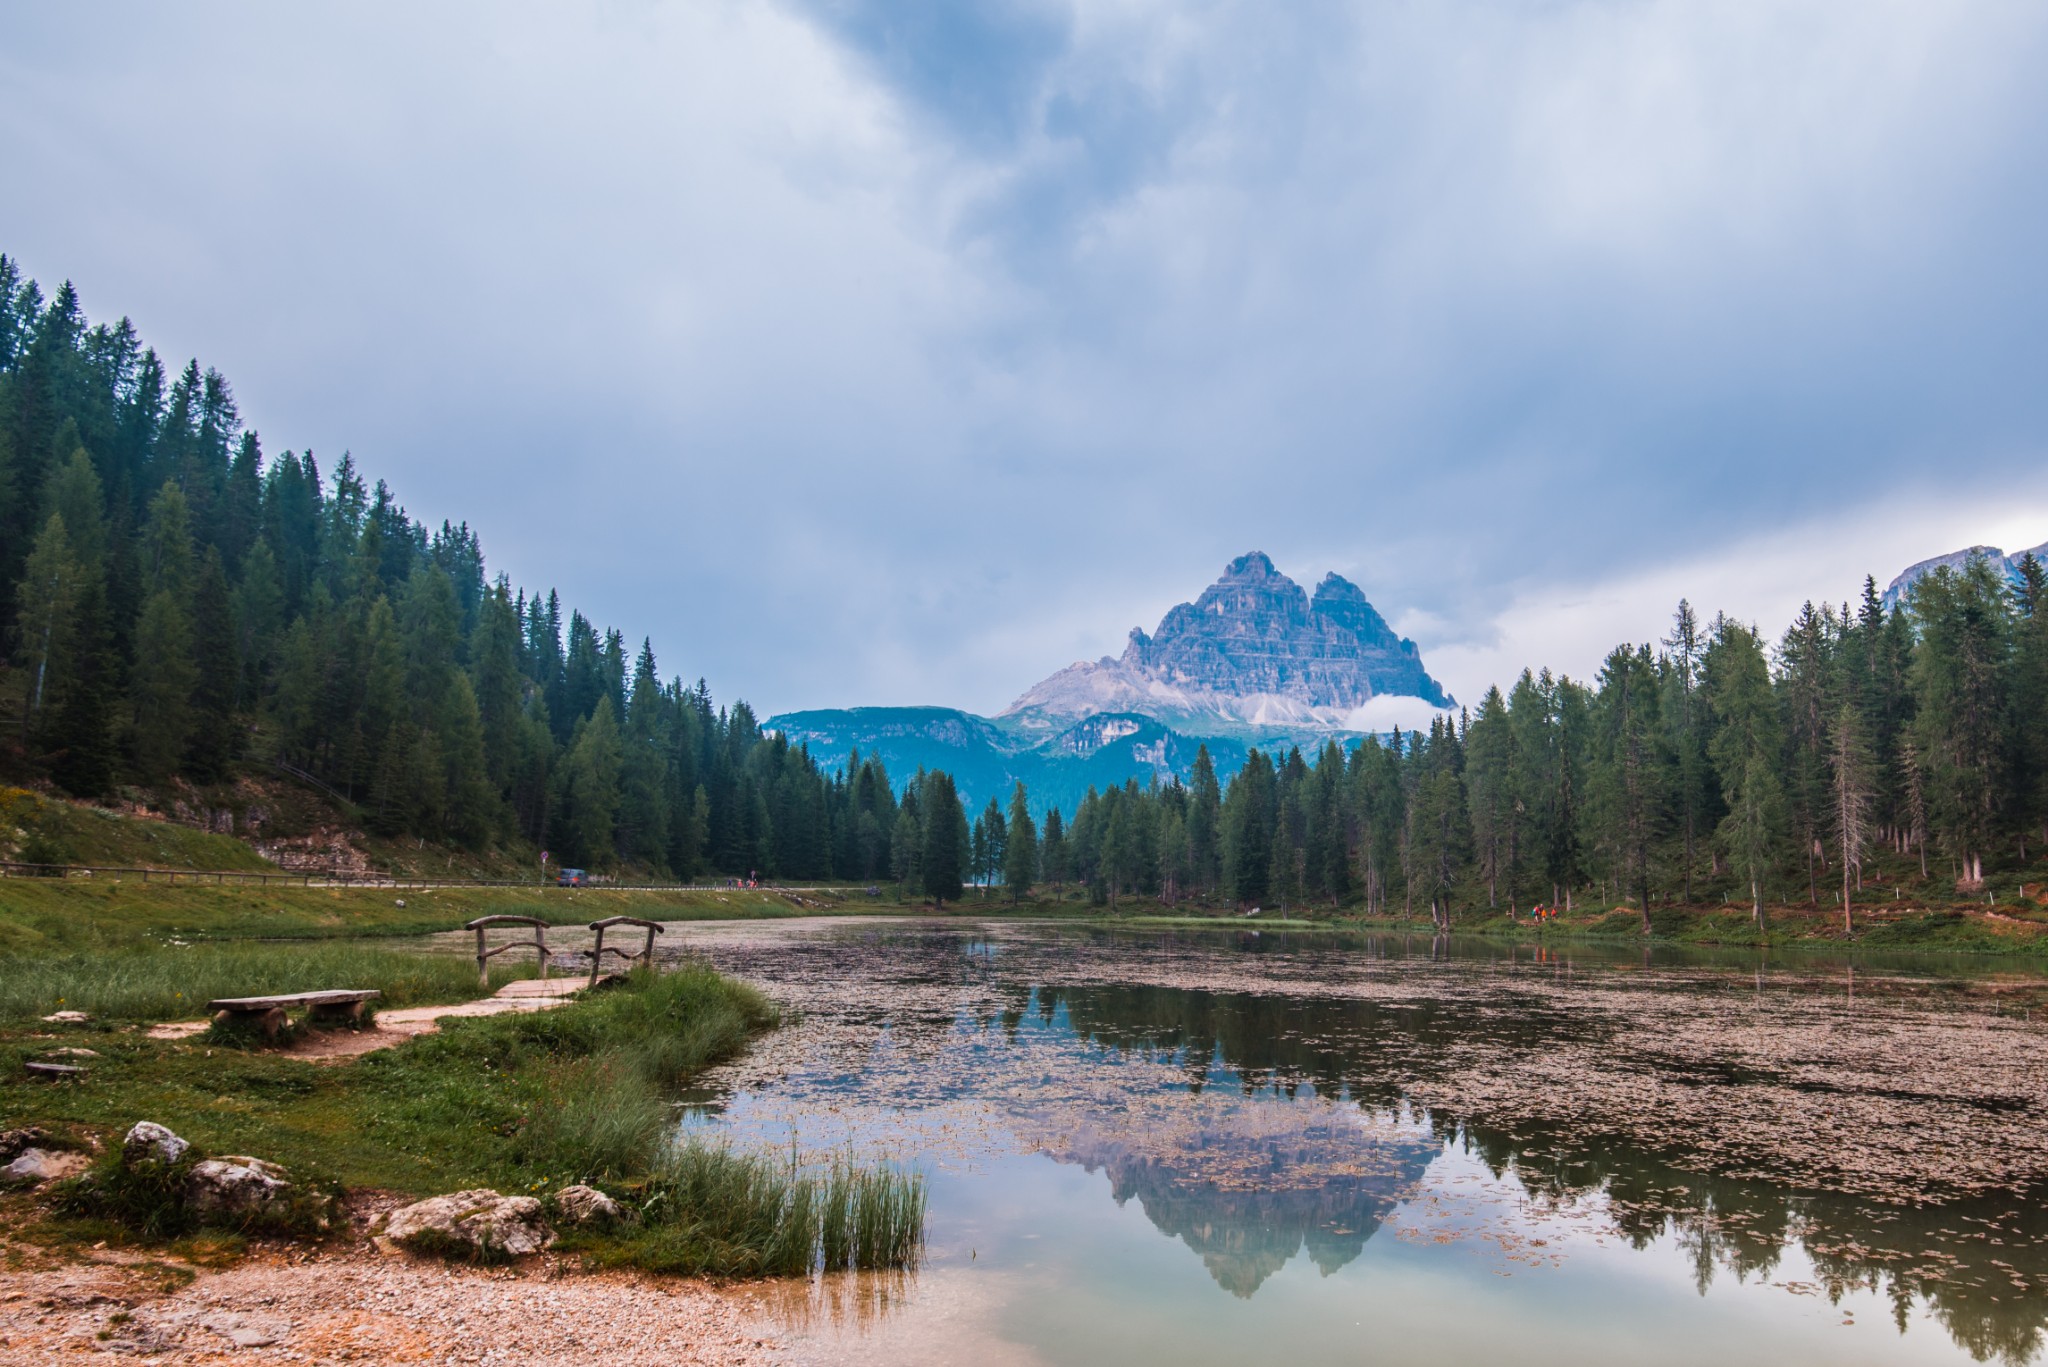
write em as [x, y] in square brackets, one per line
[587, 1207]
[152, 1143]
[2008, 565]
[236, 1186]
[1253, 650]
[478, 1224]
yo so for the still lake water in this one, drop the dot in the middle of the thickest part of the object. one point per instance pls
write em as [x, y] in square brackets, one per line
[1185, 1147]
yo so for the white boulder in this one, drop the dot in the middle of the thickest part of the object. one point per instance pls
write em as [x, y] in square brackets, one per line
[152, 1143]
[479, 1223]
[235, 1185]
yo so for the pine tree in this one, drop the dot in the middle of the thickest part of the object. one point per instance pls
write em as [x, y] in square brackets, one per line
[590, 789]
[215, 741]
[80, 737]
[161, 680]
[1959, 673]
[1249, 818]
[47, 600]
[259, 621]
[1627, 807]
[1691, 774]
[1850, 792]
[1747, 741]
[1020, 857]
[945, 826]
[1054, 859]
[1490, 781]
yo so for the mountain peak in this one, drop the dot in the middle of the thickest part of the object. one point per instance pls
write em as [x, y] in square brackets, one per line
[1253, 650]
[1253, 565]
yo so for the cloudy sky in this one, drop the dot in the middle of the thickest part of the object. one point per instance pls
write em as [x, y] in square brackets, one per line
[889, 351]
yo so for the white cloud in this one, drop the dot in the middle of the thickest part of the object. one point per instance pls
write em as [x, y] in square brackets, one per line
[709, 317]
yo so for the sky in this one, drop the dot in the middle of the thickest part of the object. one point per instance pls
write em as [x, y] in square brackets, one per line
[865, 352]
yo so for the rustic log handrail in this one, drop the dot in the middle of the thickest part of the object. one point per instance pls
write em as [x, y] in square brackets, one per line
[598, 951]
[482, 924]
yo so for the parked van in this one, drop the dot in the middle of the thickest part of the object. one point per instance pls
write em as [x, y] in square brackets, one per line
[571, 878]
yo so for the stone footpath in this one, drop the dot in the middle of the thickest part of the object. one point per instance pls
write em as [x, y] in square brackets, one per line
[400, 1024]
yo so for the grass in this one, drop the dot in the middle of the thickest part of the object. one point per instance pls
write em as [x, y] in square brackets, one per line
[175, 981]
[38, 830]
[518, 1103]
[711, 1211]
[41, 915]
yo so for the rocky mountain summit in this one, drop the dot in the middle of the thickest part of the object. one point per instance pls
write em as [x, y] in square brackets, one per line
[1956, 560]
[1253, 650]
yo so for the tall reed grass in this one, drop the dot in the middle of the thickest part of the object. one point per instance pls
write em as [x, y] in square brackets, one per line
[709, 1210]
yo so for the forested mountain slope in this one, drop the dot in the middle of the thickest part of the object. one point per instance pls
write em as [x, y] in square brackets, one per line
[181, 603]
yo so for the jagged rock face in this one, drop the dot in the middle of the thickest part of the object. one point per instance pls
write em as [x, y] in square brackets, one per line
[1957, 560]
[1254, 649]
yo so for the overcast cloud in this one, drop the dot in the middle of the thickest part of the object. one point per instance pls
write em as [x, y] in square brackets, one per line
[904, 351]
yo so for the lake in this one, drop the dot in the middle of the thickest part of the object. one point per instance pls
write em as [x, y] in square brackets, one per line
[1184, 1146]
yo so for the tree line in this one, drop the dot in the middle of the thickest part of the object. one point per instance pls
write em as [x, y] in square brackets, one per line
[1716, 765]
[183, 605]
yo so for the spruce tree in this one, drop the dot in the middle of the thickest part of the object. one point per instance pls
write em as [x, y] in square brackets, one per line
[1020, 856]
[216, 740]
[945, 829]
[161, 681]
[46, 601]
[80, 736]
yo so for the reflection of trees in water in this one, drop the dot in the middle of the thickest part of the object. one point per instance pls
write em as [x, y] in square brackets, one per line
[1980, 1264]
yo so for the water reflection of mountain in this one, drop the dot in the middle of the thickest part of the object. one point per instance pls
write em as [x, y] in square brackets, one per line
[1139, 1034]
[1329, 1187]
[1979, 1263]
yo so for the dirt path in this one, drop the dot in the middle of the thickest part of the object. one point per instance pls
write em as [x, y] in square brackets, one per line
[402, 1023]
[362, 1306]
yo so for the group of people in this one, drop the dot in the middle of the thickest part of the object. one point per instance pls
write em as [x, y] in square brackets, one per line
[1540, 913]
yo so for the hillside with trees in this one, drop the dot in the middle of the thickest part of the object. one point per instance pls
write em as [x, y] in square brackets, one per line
[185, 607]
[186, 610]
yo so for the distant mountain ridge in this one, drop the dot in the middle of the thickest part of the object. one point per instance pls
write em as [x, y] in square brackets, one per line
[986, 760]
[1254, 661]
[1253, 651]
[1955, 560]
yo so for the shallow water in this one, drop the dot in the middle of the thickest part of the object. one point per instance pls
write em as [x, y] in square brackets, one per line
[1188, 1147]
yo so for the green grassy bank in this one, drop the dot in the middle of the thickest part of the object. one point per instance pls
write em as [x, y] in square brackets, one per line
[519, 1103]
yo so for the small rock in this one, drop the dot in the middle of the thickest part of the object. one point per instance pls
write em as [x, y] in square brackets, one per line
[399, 902]
[234, 1185]
[33, 1167]
[151, 1142]
[481, 1223]
[74, 1053]
[583, 1205]
[13, 1143]
[67, 1018]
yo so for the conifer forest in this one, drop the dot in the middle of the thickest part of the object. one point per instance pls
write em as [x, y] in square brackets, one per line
[183, 606]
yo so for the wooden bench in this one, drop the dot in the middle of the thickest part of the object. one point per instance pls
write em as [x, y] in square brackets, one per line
[598, 952]
[484, 954]
[270, 1012]
[54, 1072]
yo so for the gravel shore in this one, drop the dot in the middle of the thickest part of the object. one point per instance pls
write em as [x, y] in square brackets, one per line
[362, 1306]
